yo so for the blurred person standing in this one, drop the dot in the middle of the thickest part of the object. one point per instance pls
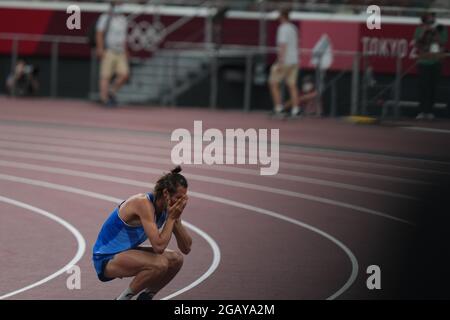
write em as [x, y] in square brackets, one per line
[286, 66]
[430, 40]
[111, 35]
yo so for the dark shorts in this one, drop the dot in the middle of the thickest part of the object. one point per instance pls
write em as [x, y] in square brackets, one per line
[100, 261]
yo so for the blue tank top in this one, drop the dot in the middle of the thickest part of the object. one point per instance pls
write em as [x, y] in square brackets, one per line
[116, 236]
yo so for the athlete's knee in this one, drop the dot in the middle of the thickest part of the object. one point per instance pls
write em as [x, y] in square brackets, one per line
[160, 264]
[175, 260]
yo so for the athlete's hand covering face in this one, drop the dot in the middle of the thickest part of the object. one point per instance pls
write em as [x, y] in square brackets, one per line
[176, 209]
[177, 200]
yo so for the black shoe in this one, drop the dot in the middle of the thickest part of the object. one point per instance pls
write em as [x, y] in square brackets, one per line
[145, 296]
[112, 101]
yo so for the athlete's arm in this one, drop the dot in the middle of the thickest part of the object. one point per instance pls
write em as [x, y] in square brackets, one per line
[159, 241]
[184, 240]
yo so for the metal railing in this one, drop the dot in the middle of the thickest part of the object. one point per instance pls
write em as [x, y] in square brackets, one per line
[54, 41]
[395, 88]
[388, 7]
[251, 57]
[359, 82]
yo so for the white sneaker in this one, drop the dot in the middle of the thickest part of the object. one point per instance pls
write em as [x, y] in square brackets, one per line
[278, 109]
[420, 116]
[430, 116]
[295, 111]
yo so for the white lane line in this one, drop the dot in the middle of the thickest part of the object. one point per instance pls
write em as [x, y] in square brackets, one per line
[424, 129]
[151, 159]
[104, 146]
[40, 183]
[81, 244]
[211, 269]
[142, 150]
[147, 148]
[131, 141]
[344, 172]
[292, 147]
[118, 166]
[273, 214]
[364, 164]
[157, 150]
[360, 153]
[84, 174]
[348, 252]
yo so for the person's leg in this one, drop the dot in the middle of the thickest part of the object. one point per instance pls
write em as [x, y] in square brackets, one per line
[104, 88]
[119, 82]
[422, 74]
[276, 96]
[276, 76]
[149, 277]
[295, 109]
[428, 88]
[293, 91]
[147, 267]
[435, 72]
[122, 73]
[175, 262]
[106, 67]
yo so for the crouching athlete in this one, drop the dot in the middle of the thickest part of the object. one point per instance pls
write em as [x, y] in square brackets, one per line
[155, 216]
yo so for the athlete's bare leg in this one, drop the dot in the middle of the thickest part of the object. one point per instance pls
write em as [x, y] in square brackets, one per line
[151, 271]
[175, 262]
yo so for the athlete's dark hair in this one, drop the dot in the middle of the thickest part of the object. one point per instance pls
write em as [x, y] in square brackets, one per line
[170, 181]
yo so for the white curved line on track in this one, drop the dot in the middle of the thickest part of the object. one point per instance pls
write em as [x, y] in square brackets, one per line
[348, 252]
[125, 167]
[40, 183]
[151, 159]
[211, 269]
[84, 174]
[78, 236]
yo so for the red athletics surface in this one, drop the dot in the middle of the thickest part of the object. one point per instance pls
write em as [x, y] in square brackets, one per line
[344, 199]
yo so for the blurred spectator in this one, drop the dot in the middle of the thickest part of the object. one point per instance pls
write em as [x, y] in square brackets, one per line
[308, 98]
[286, 66]
[430, 41]
[22, 81]
[111, 45]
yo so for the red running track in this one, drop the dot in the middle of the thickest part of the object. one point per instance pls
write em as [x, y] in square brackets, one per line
[341, 201]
